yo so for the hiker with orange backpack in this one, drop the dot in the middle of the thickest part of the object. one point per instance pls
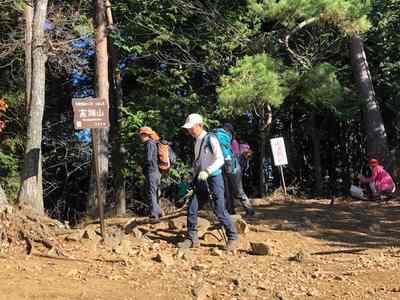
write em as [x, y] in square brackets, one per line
[151, 170]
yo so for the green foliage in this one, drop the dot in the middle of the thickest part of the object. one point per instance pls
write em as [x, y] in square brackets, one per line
[11, 141]
[320, 87]
[255, 82]
[83, 26]
[9, 174]
[350, 15]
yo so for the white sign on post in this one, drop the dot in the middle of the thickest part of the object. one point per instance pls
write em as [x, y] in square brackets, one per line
[279, 151]
[280, 158]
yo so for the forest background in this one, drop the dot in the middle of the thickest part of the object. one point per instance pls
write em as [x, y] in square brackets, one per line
[324, 74]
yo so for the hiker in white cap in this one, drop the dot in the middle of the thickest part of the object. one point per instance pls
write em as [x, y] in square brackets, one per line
[208, 179]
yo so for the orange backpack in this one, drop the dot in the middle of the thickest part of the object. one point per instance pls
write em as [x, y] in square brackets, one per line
[166, 156]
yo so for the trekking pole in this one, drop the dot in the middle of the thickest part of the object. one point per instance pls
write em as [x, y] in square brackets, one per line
[220, 230]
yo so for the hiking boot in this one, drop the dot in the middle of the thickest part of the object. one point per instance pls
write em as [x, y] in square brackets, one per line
[232, 245]
[188, 243]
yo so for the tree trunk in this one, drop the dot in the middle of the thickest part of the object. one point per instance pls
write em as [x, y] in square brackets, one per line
[28, 14]
[117, 152]
[3, 198]
[100, 136]
[31, 191]
[333, 138]
[264, 129]
[316, 143]
[91, 206]
[373, 123]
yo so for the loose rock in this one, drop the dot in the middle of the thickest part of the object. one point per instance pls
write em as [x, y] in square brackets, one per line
[89, 234]
[215, 252]
[184, 254]
[137, 233]
[165, 259]
[75, 237]
[199, 267]
[241, 225]
[201, 293]
[298, 257]
[259, 248]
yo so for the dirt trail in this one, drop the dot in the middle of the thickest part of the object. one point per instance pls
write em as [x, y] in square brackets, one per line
[345, 251]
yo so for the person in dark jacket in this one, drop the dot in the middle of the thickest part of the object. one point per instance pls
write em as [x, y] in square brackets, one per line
[235, 180]
[151, 169]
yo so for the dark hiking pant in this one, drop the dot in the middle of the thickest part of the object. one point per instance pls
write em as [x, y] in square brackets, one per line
[153, 181]
[212, 190]
[234, 189]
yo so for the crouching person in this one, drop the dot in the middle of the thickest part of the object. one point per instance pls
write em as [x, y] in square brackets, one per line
[380, 183]
[151, 170]
[209, 184]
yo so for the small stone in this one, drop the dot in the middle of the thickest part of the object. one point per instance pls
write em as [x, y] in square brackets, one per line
[241, 225]
[280, 296]
[395, 290]
[251, 292]
[75, 237]
[201, 293]
[124, 248]
[262, 287]
[236, 281]
[52, 252]
[338, 278]
[312, 293]
[89, 234]
[199, 267]
[73, 273]
[184, 254]
[111, 242]
[177, 223]
[298, 257]
[259, 248]
[216, 252]
[136, 233]
[165, 259]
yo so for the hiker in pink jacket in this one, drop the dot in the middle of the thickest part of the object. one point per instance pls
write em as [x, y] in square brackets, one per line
[380, 181]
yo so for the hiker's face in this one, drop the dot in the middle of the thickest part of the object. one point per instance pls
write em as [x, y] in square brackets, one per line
[196, 130]
[144, 138]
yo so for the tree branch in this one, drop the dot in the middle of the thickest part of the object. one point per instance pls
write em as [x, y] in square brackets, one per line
[300, 26]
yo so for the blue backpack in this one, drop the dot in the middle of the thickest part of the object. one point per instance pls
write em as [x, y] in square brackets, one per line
[225, 139]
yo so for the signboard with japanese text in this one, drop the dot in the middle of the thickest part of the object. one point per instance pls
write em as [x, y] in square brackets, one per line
[279, 151]
[90, 113]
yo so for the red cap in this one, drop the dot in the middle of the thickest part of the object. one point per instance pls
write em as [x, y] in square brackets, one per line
[373, 162]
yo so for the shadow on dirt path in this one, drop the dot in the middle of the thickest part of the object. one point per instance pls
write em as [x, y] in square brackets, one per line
[355, 224]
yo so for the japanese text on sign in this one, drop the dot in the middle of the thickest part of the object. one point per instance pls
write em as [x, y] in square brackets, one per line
[279, 151]
[90, 113]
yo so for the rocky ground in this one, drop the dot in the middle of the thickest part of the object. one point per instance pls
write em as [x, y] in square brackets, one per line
[291, 249]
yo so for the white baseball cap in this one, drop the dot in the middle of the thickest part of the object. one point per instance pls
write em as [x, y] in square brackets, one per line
[192, 120]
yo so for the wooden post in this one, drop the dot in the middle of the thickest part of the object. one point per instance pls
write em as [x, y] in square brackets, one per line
[283, 180]
[100, 135]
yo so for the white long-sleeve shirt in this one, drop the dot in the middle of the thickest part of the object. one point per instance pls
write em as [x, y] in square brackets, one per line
[207, 159]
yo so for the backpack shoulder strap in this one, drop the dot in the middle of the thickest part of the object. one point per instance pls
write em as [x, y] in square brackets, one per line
[201, 148]
[208, 137]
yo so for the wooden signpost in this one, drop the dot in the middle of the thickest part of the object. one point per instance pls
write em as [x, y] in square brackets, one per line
[93, 113]
[280, 157]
